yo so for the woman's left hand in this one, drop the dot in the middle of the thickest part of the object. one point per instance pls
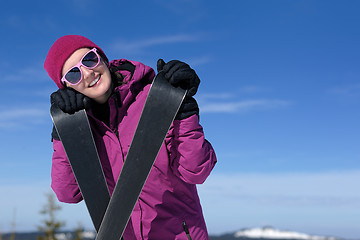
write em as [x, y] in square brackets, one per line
[180, 74]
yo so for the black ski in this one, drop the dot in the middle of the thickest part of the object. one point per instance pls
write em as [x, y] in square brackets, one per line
[76, 136]
[161, 106]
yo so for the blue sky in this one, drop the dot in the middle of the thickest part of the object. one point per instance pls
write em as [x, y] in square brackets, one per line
[279, 100]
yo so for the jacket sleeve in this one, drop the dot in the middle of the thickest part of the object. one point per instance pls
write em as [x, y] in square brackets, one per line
[63, 181]
[192, 157]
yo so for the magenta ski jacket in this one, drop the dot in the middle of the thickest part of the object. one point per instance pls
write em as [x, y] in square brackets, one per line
[169, 198]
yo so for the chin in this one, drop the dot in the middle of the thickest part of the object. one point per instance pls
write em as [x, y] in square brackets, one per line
[102, 93]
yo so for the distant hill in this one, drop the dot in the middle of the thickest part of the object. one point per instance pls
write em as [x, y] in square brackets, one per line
[66, 235]
[265, 233]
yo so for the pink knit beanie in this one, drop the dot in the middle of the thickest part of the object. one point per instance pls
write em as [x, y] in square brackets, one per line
[61, 50]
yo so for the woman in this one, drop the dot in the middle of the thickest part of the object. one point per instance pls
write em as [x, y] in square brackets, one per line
[114, 94]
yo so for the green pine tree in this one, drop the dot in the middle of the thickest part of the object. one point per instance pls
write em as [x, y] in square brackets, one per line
[78, 232]
[50, 224]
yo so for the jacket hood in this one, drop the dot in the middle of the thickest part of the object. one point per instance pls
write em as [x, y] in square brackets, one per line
[132, 76]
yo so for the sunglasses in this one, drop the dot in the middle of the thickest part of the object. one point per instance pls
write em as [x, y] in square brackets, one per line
[90, 60]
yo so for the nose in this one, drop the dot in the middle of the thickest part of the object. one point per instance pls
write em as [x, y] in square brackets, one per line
[87, 73]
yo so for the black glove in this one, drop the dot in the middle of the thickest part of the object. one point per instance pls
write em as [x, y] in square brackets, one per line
[188, 108]
[69, 100]
[180, 74]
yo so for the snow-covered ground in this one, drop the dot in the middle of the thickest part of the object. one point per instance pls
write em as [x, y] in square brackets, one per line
[84, 235]
[271, 233]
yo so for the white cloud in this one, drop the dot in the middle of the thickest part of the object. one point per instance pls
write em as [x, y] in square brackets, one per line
[214, 96]
[242, 106]
[29, 74]
[328, 202]
[324, 185]
[23, 22]
[197, 61]
[348, 90]
[20, 113]
[229, 102]
[17, 116]
[135, 46]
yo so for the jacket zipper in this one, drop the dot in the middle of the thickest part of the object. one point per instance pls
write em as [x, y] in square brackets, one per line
[186, 229]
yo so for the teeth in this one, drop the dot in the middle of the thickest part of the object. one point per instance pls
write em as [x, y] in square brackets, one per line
[94, 82]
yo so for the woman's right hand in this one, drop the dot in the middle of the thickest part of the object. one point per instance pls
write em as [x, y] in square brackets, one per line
[69, 100]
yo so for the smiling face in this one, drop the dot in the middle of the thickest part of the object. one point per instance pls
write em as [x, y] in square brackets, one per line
[95, 83]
